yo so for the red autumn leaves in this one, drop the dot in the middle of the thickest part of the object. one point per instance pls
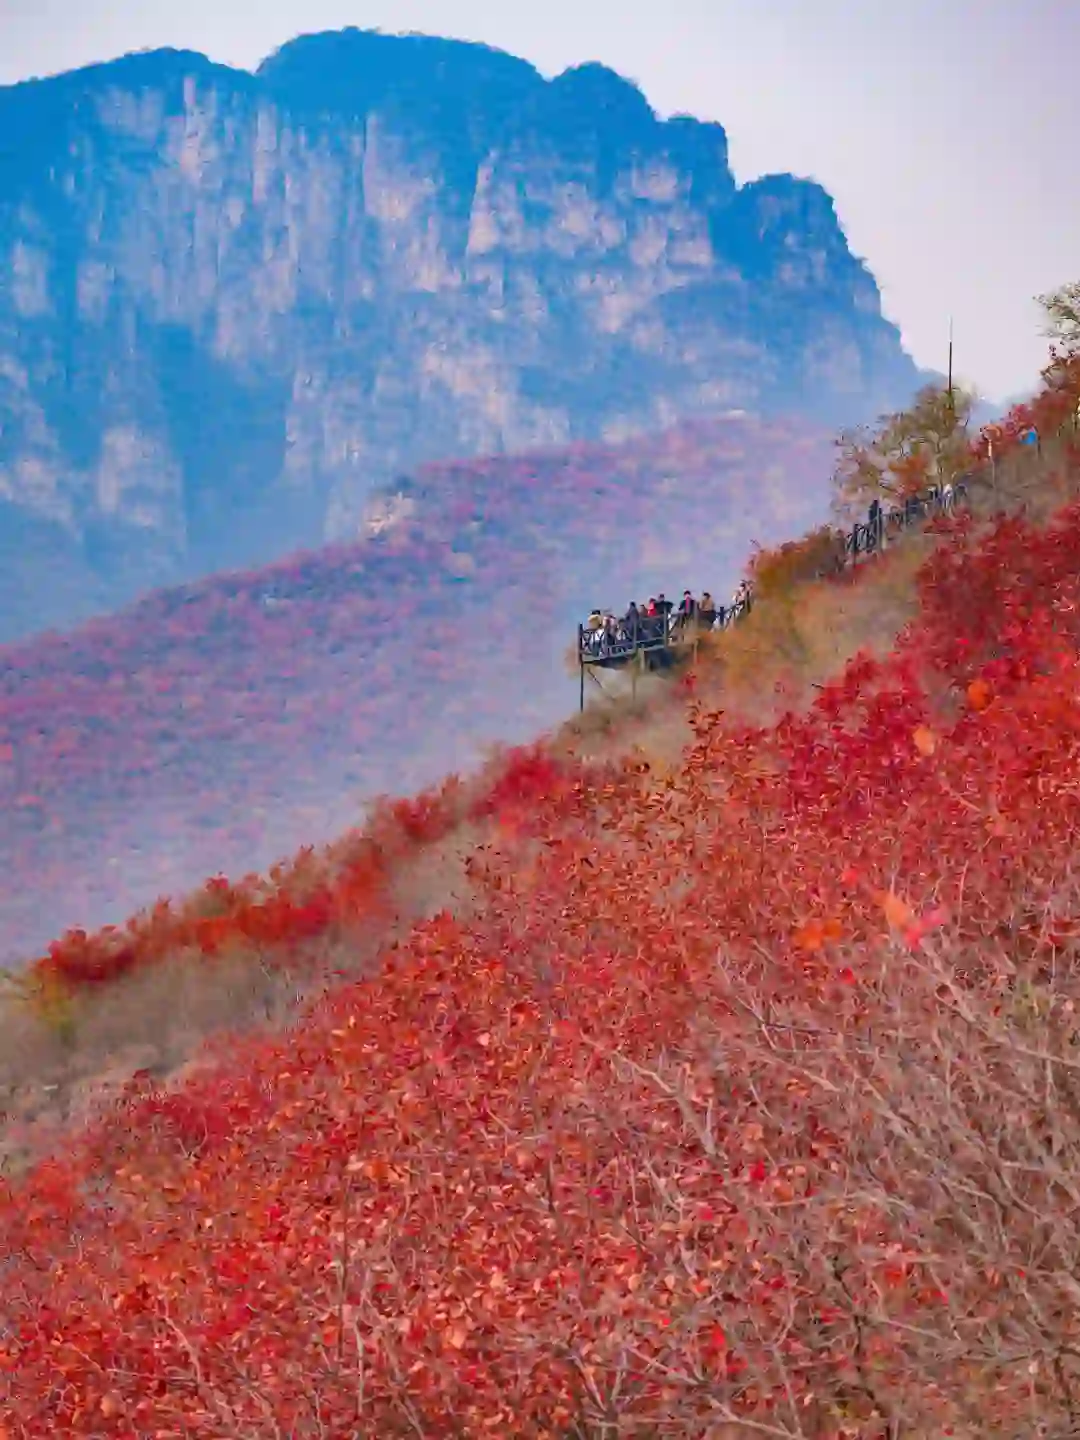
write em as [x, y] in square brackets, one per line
[343, 890]
[525, 1179]
[503, 1184]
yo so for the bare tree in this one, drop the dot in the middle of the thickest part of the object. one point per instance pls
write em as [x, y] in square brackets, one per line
[1062, 311]
[926, 444]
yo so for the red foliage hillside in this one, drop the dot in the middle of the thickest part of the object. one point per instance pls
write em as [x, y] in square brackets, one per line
[747, 1101]
[219, 726]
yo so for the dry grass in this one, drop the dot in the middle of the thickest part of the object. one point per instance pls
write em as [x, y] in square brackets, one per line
[775, 658]
[60, 1064]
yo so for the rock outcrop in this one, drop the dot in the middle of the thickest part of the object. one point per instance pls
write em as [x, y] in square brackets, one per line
[233, 305]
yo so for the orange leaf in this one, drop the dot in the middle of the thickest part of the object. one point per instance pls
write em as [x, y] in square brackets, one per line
[810, 936]
[925, 740]
[814, 934]
[897, 912]
[978, 694]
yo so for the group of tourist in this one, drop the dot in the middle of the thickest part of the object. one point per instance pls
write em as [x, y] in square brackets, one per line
[659, 621]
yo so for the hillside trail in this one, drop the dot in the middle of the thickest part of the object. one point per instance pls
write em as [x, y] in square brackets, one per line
[158, 1022]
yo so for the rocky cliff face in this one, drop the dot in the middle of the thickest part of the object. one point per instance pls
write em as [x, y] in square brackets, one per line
[233, 305]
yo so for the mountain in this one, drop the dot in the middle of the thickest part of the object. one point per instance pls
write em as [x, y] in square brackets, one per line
[233, 304]
[222, 724]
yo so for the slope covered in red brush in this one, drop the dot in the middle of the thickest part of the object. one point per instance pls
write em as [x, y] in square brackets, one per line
[747, 1100]
[220, 726]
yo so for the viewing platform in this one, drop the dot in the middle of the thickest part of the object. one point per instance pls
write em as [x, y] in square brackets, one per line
[648, 640]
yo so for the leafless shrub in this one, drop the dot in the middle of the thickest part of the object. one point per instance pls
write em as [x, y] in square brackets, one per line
[900, 1173]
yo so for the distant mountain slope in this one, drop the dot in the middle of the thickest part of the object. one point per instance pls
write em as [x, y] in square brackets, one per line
[221, 725]
[231, 305]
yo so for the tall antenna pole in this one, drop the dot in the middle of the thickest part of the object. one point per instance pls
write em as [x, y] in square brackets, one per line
[952, 409]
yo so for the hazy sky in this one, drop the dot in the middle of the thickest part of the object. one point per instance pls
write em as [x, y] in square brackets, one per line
[946, 129]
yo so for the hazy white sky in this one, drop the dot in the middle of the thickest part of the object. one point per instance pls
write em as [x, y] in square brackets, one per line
[946, 129]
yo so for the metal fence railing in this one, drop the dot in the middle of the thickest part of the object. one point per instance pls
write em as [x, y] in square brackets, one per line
[658, 639]
[870, 536]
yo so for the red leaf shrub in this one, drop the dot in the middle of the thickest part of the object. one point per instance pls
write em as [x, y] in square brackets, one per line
[749, 1102]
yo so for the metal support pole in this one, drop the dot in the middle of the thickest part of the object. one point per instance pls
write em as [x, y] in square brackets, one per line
[952, 407]
[581, 668]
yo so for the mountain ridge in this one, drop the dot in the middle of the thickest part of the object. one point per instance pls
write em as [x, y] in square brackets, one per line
[234, 303]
